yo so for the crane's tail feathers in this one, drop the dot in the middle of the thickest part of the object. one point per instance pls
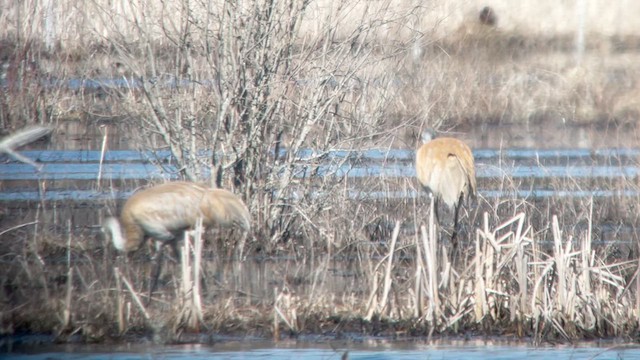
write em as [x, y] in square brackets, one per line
[23, 137]
[112, 226]
[21, 158]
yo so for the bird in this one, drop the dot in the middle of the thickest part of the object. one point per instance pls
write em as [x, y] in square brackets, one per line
[21, 138]
[164, 212]
[446, 170]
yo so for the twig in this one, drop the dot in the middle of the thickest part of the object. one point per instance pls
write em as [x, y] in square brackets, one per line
[17, 227]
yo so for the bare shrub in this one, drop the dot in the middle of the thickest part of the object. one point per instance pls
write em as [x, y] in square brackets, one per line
[236, 96]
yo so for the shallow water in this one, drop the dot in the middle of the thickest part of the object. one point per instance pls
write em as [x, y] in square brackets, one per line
[387, 350]
[537, 168]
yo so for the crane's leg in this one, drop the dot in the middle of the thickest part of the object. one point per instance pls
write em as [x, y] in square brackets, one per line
[164, 240]
[454, 233]
[453, 249]
[434, 205]
[157, 269]
[159, 259]
[177, 249]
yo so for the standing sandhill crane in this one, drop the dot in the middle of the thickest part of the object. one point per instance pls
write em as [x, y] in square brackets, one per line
[164, 212]
[445, 169]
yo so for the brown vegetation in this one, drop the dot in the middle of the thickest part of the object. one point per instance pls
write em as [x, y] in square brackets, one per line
[248, 82]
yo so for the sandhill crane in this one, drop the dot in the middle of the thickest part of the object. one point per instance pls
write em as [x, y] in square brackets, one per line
[164, 212]
[21, 138]
[445, 169]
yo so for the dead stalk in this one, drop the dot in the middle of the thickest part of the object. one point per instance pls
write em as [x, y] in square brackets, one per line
[388, 270]
[103, 148]
[372, 303]
[122, 326]
[419, 290]
[276, 315]
[187, 304]
[134, 294]
[197, 273]
[279, 315]
[67, 311]
[429, 243]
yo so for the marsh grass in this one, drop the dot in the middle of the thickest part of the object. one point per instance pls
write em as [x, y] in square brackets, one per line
[398, 278]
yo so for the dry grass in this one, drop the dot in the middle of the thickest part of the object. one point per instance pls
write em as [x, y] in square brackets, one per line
[415, 65]
[512, 277]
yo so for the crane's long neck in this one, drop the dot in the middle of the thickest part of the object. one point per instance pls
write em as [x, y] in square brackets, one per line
[113, 226]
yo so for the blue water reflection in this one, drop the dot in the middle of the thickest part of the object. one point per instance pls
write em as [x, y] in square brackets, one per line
[539, 173]
[377, 353]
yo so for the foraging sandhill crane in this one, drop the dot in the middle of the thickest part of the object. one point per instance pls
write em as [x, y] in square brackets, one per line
[21, 138]
[445, 169]
[164, 212]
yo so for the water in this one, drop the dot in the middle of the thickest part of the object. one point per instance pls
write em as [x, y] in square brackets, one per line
[536, 168]
[383, 351]
[68, 178]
